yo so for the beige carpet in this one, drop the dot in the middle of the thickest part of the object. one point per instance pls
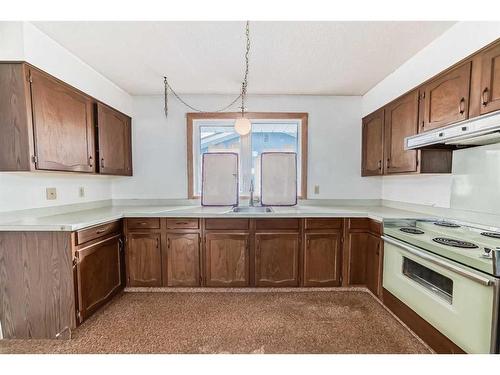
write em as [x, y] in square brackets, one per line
[274, 322]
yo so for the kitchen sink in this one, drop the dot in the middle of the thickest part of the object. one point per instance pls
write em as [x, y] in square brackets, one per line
[250, 210]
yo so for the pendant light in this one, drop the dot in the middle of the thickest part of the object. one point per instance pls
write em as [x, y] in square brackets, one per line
[242, 125]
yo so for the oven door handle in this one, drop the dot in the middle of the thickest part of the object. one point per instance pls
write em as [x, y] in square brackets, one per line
[445, 264]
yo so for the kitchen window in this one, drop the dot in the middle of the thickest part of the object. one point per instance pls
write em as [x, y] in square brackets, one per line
[270, 132]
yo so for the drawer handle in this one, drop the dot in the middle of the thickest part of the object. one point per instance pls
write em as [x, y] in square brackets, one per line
[461, 106]
[142, 223]
[181, 222]
[99, 231]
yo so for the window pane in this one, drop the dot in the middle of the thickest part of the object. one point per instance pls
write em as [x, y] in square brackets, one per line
[273, 137]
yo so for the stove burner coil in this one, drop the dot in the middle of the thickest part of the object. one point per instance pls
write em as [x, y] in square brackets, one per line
[491, 234]
[446, 224]
[412, 230]
[455, 243]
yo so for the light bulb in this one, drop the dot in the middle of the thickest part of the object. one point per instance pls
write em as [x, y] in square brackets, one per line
[242, 126]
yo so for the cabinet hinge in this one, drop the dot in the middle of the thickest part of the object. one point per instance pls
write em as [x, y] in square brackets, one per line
[34, 158]
[418, 162]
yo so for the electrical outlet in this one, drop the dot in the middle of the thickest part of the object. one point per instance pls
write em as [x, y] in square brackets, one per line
[316, 189]
[81, 192]
[51, 193]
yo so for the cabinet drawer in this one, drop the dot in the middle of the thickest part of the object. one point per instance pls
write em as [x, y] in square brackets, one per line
[272, 224]
[226, 224]
[143, 223]
[324, 223]
[97, 231]
[179, 223]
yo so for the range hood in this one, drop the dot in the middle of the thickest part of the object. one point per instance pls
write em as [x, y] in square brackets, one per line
[482, 130]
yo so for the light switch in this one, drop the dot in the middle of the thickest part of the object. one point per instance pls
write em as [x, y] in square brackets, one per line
[316, 189]
[51, 193]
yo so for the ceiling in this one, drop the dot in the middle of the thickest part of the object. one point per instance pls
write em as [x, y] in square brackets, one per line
[312, 58]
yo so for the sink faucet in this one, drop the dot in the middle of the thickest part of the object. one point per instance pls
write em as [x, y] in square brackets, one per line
[250, 203]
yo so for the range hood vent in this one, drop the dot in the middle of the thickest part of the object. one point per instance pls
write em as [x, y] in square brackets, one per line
[479, 131]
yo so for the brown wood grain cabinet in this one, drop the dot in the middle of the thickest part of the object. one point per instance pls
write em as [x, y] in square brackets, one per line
[49, 125]
[143, 259]
[373, 144]
[227, 258]
[277, 259]
[183, 259]
[445, 99]
[490, 79]
[114, 141]
[374, 259]
[322, 259]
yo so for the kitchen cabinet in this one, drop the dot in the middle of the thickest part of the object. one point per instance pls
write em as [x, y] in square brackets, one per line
[373, 144]
[277, 259]
[490, 79]
[143, 259]
[322, 259]
[114, 141]
[183, 259]
[445, 99]
[374, 264]
[49, 125]
[227, 259]
[99, 274]
[401, 121]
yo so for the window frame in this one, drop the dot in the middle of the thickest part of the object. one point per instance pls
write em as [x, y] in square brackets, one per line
[299, 116]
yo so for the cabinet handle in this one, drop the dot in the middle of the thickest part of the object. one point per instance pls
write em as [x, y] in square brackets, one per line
[380, 165]
[181, 223]
[485, 97]
[90, 162]
[461, 106]
[168, 243]
[102, 162]
[157, 243]
[99, 231]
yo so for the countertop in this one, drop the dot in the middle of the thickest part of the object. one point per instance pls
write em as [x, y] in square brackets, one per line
[76, 220]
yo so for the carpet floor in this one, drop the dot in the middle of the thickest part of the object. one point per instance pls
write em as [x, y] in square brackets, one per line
[274, 322]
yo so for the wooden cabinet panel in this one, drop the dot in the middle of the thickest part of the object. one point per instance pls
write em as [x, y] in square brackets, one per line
[322, 259]
[323, 223]
[401, 121]
[490, 79]
[373, 144]
[179, 223]
[445, 99]
[98, 274]
[374, 264]
[358, 248]
[63, 128]
[183, 259]
[114, 138]
[276, 259]
[227, 259]
[143, 223]
[277, 224]
[227, 224]
[143, 256]
[92, 233]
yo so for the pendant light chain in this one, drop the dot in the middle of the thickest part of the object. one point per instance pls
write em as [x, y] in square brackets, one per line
[240, 96]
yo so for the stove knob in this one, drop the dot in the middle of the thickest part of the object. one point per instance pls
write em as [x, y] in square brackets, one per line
[487, 252]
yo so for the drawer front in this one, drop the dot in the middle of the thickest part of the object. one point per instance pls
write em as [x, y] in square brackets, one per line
[179, 223]
[98, 231]
[280, 224]
[143, 223]
[226, 224]
[323, 223]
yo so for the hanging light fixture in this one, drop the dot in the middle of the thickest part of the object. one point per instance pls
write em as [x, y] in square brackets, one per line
[242, 125]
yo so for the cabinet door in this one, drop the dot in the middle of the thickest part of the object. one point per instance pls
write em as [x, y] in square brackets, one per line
[143, 255]
[98, 274]
[401, 121]
[445, 99]
[490, 79]
[357, 249]
[276, 259]
[114, 135]
[373, 144]
[373, 264]
[322, 259]
[62, 123]
[227, 259]
[183, 259]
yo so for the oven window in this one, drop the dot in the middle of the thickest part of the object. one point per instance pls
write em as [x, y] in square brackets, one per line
[431, 280]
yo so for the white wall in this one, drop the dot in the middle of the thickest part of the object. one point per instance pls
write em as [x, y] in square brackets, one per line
[159, 146]
[460, 41]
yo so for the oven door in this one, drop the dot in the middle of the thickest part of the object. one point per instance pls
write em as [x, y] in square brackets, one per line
[461, 303]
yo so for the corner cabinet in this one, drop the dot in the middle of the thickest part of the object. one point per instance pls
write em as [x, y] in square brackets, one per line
[46, 124]
[373, 144]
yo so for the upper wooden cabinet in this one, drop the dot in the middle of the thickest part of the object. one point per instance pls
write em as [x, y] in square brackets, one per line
[46, 124]
[490, 79]
[401, 121]
[114, 141]
[445, 99]
[373, 144]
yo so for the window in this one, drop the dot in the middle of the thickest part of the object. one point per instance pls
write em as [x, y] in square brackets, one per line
[270, 132]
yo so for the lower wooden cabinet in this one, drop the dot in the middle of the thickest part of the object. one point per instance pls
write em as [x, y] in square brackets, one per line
[143, 258]
[183, 259]
[277, 259]
[374, 264]
[227, 259]
[99, 276]
[322, 259]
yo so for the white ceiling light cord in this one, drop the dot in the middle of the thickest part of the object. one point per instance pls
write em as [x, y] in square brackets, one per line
[240, 96]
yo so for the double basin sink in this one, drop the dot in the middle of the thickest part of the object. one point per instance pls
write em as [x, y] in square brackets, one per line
[252, 210]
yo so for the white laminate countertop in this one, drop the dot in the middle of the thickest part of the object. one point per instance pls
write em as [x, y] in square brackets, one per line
[85, 218]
